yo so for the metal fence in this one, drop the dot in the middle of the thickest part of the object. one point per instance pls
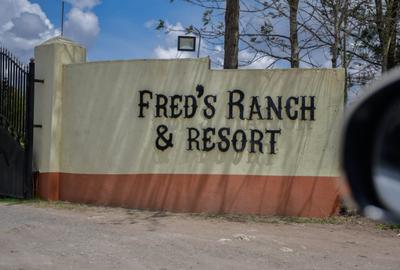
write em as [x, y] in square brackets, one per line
[16, 125]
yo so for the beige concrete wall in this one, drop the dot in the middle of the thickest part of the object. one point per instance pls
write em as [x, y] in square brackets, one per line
[102, 133]
[50, 58]
[95, 148]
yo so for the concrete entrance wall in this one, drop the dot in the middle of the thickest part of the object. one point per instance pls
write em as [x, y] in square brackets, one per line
[127, 133]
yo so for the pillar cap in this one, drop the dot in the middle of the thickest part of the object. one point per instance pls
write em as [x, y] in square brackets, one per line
[60, 40]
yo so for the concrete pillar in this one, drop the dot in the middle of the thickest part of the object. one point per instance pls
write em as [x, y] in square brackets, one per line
[50, 57]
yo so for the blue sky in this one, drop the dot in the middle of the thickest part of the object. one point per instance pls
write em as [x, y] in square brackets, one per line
[117, 29]
[124, 29]
[109, 29]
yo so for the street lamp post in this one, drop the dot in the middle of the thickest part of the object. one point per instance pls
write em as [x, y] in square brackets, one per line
[198, 49]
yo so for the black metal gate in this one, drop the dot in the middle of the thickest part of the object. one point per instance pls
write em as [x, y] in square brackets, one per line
[16, 126]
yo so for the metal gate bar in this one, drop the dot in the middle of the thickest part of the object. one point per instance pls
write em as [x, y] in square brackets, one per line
[17, 84]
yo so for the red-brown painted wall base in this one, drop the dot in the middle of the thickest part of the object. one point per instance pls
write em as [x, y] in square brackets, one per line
[264, 195]
[48, 186]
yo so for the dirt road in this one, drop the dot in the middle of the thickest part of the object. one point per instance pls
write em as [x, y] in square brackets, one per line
[45, 236]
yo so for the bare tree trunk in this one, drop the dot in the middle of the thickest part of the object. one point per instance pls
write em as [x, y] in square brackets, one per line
[294, 43]
[386, 26]
[231, 42]
[336, 25]
[380, 25]
[344, 47]
[393, 14]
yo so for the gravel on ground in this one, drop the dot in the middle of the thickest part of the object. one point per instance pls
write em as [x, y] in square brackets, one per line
[41, 235]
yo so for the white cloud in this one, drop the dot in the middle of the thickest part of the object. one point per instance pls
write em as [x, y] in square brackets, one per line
[169, 48]
[83, 4]
[170, 53]
[252, 60]
[28, 25]
[23, 25]
[150, 24]
[82, 26]
[173, 33]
